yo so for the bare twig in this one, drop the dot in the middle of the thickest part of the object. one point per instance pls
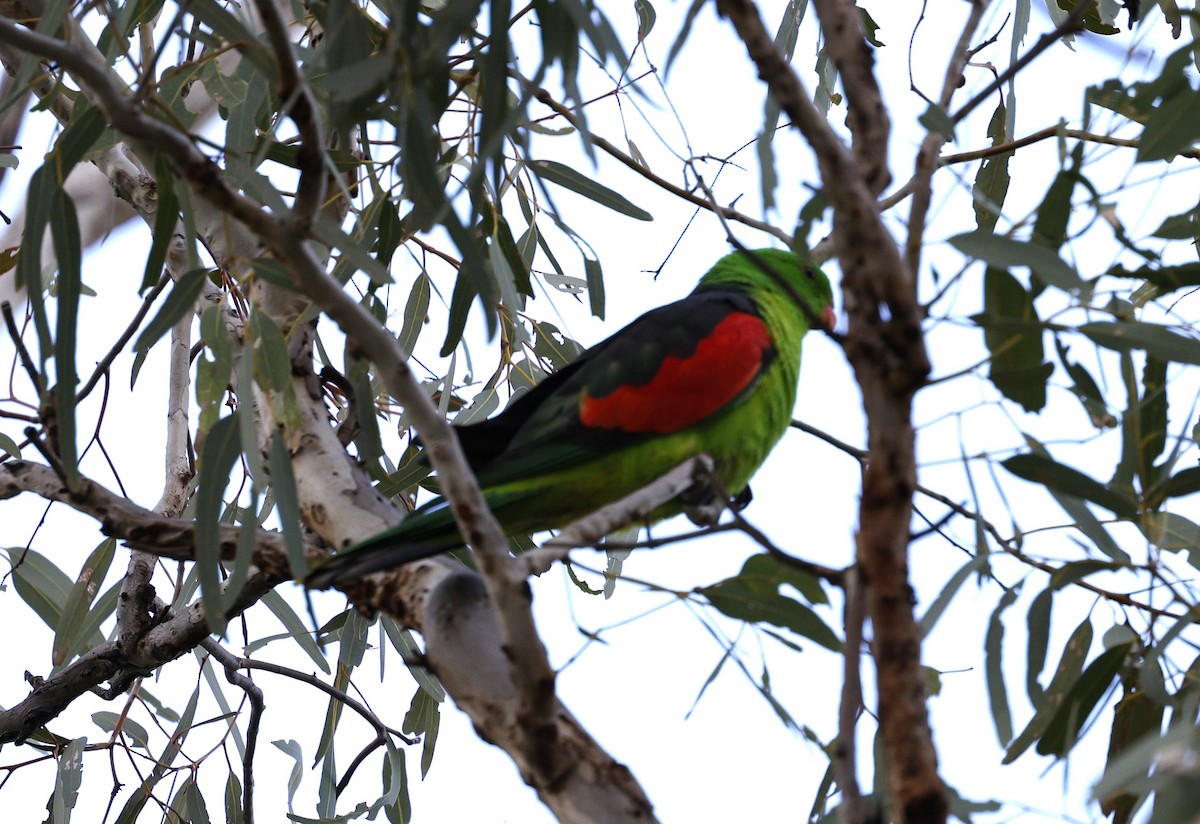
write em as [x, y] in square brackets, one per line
[27, 363]
[231, 663]
[1045, 134]
[724, 212]
[1072, 24]
[927, 156]
[302, 108]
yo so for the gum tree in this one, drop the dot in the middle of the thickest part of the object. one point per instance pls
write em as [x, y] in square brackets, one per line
[323, 188]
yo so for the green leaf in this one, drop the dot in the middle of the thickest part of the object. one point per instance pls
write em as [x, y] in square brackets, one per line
[684, 30]
[646, 17]
[395, 801]
[86, 127]
[188, 803]
[109, 721]
[1042, 469]
[1169, 531]
[296, 628]
[1156, 339]
[870, 29]
[219, 452]
[416, 311]
[292, 749]
[991, 182]
[352, 251]
[753, 595]
[213, 376]
[1183, 226]
[67, 781]
[40, 584]
[79, 600]
[9, 446]
[1062, 731]
[495, 106]
[137, 799]
[166, 219]
[595, 286]
[1003, 252]
[89, 634]
[1150, 676]
[993, 650]
[460, 305]
[1037, 622]
[1172, 127]
[1066, 676]
[1136, 717]
[229, 28]
[68, 248]
[424, 718]
[1151, 422]
[1166, 278]
[410, 651]
[1093, 21]
[1013, 335]
[283, 484]
[43, 189]
[233, 799]
[568, 178]
[937, 120]
[931, 616]
[1084, 387]
[1183, 483]
[1054, 213]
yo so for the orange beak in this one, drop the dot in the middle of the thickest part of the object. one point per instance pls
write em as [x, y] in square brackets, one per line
[828, 318]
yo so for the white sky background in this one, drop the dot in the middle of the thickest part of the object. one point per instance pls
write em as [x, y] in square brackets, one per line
[732, 759]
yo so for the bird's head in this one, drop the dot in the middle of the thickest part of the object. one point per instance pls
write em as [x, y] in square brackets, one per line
[778, 270]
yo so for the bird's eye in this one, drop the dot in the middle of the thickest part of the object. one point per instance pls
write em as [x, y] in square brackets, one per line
[810, 273]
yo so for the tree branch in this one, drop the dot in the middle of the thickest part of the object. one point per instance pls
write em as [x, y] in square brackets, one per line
[885, 346]
[175, 635]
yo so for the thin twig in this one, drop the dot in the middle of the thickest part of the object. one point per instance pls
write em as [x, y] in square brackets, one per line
[1071, 25]
[725, 212]
[118, 346]
[26, 361]
[1046, 133]
[931, 146]
[254, 695]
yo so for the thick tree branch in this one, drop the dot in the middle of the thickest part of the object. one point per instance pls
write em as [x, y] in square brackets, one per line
[885, 345]
[139, 527]
[176, 634]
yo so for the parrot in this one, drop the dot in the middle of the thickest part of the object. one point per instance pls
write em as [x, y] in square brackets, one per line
[715, 374]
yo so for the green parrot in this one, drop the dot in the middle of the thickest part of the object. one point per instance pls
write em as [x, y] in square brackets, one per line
[712, 374]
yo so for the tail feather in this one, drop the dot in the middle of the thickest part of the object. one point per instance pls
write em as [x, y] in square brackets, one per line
[373, 555]
[428, 531]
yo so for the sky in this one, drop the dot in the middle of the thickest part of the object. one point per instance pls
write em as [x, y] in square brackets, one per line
[704, 751]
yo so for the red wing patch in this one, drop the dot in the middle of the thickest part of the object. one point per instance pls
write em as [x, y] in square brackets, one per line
[686, 390]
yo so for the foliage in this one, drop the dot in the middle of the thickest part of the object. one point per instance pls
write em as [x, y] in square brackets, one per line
[467, 170]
